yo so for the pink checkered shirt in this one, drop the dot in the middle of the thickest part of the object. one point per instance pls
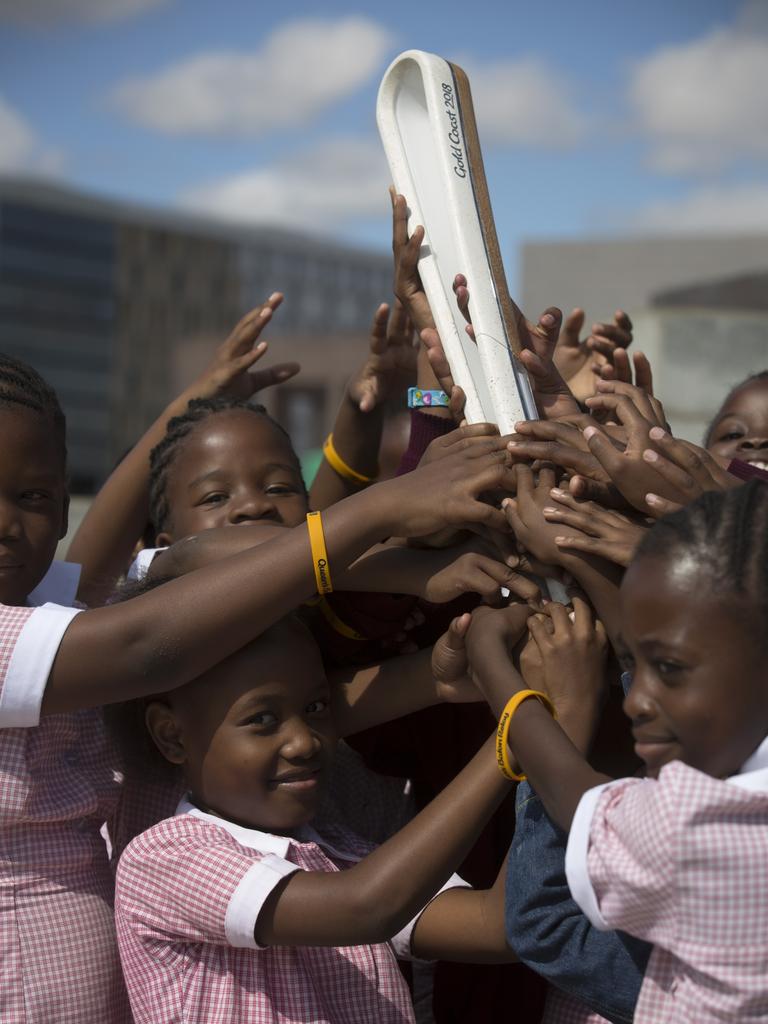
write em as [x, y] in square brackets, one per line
[562, 1008]
[189, 892]
[682, 862]
[58, 960]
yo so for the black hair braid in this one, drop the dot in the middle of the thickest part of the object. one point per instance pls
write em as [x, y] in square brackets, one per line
[760, 375]
[179, 428]
[726, 532]
[21, 385]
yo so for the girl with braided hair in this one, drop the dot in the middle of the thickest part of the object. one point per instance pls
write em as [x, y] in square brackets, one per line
[60, 664]
[678, 859]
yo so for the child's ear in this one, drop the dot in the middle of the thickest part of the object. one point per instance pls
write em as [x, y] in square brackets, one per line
[165, 731]
[163, 540]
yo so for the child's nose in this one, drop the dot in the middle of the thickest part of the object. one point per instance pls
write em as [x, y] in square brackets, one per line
[301, 743]
[638, 705]
[252, 508]
[10, 526]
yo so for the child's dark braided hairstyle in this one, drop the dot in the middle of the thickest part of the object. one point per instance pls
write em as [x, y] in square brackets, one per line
[726, 532]
[21, 385]
[760, 375]
[179, 428]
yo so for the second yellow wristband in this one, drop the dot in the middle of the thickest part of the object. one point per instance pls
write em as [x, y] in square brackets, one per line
[338, 464]
[502, 733]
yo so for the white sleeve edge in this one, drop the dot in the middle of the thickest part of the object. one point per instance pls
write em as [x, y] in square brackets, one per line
[401, 943]
[576, 852]
[30, 665]
[248, 898]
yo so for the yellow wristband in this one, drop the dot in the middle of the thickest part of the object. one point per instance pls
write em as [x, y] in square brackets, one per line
[319, 553]
[502, 733]
[338, 464]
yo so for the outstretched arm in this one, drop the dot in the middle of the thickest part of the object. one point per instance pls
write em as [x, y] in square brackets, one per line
[356, 436]
[118, 514]
[165, 638]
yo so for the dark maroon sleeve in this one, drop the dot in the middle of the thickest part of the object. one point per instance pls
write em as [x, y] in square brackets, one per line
[745, 470]
[424, 430]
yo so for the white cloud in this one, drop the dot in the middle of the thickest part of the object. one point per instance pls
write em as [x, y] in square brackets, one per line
[43, 12]
[302, 68]
[713, 209]
[524, 102]
[702, 105]
[324, 186]
[20, 148]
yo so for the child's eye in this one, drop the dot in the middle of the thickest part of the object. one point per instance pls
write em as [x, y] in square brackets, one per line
[732, 435]
[668, 669]
[214, 498]
[317, 707]
[262, 720]
[35, 496]
[281, 489]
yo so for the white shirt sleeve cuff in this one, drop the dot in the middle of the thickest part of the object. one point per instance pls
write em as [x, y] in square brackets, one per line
[248, 899]
[30, 665]
[139, 567]
[401, 943]
[576, 869]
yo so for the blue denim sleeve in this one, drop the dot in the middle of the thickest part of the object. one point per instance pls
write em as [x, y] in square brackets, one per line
[548, 931]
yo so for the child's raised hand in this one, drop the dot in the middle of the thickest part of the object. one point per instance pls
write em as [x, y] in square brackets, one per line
[391, 364]
[450, 491]
[228, 372]
[450, 664]
[538, 341]
[473, 572]
[572, 647]
[557, 442]
[601, 531]
[620, 369]
[407, 286]
[493, 633]
[684, 466]
[580, 362]
[525, 514]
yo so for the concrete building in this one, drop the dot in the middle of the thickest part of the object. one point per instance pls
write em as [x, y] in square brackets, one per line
[699, 307]
[120, 307]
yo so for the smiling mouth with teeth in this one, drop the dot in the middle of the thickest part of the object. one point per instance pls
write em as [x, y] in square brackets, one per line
[759, 464]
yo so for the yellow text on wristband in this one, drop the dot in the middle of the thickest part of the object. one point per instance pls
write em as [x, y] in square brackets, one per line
[338, 464]
[319, 553]
[502, 733]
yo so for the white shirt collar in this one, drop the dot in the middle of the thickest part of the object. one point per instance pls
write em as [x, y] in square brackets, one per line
[250, 837]
[58, 586]
[266, 842]
[754, 771]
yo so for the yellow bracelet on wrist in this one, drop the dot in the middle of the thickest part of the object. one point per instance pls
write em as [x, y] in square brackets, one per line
[502, 733]
[338, 464]
[319, 553]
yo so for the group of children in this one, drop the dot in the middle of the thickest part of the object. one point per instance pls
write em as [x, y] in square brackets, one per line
[179, 844]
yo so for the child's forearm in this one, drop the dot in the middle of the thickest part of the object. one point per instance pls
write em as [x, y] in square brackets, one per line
[117, 516]
[167, 637]
[363, 698]
[600, 581]
[465, 925]
[554, 766]
[377, 897]
[357, 439]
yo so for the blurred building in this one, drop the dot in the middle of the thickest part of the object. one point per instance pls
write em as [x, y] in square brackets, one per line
[120, 307]
[699, 307]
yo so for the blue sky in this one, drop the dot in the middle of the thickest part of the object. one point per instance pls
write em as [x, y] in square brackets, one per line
[595, 117]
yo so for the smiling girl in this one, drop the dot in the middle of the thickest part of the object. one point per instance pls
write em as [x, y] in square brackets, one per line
[680, 858]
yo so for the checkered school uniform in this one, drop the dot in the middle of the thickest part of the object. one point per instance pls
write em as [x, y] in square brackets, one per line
[562, 1008]
[189, 892]
[682, 862]
[58, 960]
